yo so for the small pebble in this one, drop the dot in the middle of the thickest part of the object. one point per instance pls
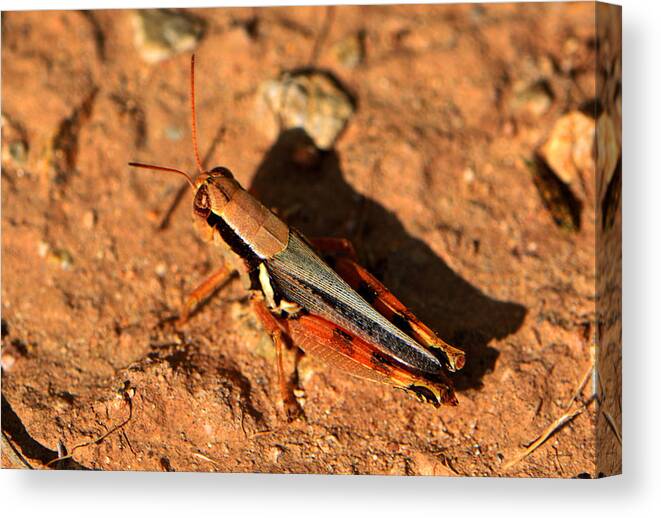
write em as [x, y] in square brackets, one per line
[61, 258]
[43, 248]
[307, 367]
[300, 396]
[174, 133]
[161, 269]
[18, 151]
[535, 99]
[350, 51]
[569, 148]
[162, 33]
[8, 362]
[276, 453]
[14, 144]
[89, 219]
[332, 439]
[309, 100]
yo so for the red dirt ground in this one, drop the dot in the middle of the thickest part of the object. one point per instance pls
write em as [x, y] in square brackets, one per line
[430, 180]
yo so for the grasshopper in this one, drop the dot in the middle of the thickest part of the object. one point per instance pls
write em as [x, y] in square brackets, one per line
[312, 293]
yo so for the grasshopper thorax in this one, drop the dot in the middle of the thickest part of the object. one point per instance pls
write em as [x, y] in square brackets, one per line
[223, 210]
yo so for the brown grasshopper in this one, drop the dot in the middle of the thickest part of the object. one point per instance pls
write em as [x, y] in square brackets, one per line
[330, 308]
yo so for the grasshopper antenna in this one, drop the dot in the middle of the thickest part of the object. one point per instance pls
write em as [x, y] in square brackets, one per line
[193, 118]
[162, 168]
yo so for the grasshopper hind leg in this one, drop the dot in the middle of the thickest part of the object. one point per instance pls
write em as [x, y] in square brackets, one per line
[347, 352]
[344, 262]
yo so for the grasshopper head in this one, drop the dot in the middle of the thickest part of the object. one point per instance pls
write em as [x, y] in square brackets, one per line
[213, 191]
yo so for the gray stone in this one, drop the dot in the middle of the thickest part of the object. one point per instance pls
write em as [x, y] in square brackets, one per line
[310, 100]
[162, 33]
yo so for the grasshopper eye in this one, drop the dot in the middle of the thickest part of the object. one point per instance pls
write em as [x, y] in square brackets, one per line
[201, 202]
[222, 171]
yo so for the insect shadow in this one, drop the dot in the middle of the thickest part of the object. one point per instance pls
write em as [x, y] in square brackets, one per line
[30, 449]
[308, 189]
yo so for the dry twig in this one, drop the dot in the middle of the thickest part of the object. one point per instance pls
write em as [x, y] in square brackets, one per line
[204, 457]
[613, 426]
[550, 430]
[580, 386]
[121, 425]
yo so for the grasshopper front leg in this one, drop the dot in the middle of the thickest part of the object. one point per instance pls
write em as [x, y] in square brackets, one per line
[345, 264]
[204, 290]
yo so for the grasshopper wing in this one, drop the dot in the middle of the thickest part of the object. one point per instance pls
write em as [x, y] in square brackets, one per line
[301, 276]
